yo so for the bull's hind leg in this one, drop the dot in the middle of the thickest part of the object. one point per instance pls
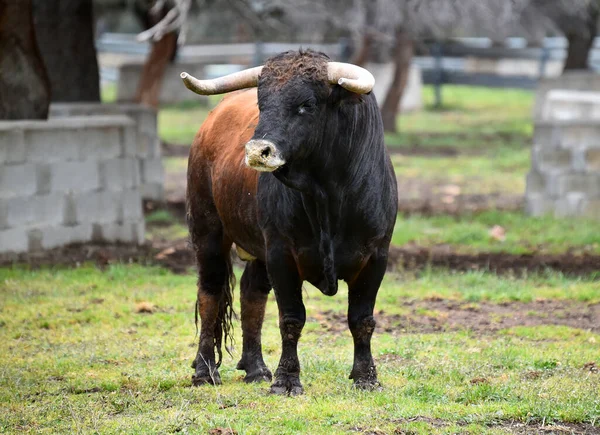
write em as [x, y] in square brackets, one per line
[362, 293]
[255, 288]
[215, 284]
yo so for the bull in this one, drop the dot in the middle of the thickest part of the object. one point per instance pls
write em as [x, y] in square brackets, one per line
[293, 170]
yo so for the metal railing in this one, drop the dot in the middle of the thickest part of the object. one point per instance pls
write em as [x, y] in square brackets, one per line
[444, 63]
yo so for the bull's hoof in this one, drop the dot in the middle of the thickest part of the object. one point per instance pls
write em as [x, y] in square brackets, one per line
[367, 385]
[255, 372]
[287, 386]
[263, 374]
[206, 378]
[365, 378]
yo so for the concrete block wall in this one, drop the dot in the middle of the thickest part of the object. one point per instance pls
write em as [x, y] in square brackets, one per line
[584, 81]
[564, 179]
[147, 146]
[69, 180]
[172, 88]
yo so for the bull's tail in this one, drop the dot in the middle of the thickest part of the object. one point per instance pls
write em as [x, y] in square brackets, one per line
[223, 332]
[224, 325]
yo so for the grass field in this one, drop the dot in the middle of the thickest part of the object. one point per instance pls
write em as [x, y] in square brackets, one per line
[468, 234]
[75, 357]
[471, 233]
[501, 170]
[456, 352]
[472, 119]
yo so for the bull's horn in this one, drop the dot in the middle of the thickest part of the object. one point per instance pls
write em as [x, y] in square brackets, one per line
[247, 78]
[350, 77]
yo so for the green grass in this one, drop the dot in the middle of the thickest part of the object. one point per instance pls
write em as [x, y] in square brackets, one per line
[472, 119]
[467, 233]
[176, 164]
[160, 217]
[524, 234]
[479, 286]
[488, 130]
[76, 358]
[179, 123]
[108, 93]
[498, 171]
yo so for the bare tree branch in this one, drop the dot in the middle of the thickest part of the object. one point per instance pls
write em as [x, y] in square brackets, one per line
[174, 20]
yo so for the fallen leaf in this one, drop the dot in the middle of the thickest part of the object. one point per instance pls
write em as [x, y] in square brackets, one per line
[222, 431]
[498, 233]
[164, 253]
[533, 374]
[145, 307]
[451, 189]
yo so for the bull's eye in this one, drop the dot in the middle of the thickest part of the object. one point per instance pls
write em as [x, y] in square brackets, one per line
[305, 108]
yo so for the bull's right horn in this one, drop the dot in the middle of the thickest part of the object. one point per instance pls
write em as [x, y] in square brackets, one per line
[351, 77]
[247, 78]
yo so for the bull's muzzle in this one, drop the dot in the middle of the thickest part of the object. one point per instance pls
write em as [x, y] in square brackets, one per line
[263, 155]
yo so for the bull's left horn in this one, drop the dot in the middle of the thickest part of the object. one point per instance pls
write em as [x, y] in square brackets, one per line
[247, 78]
[350, 77]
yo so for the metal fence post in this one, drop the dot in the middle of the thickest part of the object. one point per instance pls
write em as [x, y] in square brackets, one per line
[259, 53]
[544, 57]
[438, 75]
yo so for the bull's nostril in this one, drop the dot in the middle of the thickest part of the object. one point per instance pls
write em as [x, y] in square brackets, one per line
[266, 152]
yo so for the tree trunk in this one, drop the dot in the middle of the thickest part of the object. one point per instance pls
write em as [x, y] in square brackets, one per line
[361, 57]
[148, 91]
[581, 41]
[403, 53]
[24, 86]
[65, 35]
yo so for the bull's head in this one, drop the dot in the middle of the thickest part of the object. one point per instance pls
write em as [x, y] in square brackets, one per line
[294, 93]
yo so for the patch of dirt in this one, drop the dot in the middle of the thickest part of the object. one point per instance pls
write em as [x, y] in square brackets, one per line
[174, 150]
[430, 199]
[513, 427]
[175, 185]
[426, 151]
[178, 257]
[417, 257]
[75, 255]
[414, 196]
[551, 429]
[222, 431]
[440, 315]
[420, 139]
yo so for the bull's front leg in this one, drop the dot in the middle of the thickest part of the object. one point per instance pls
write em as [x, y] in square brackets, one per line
[362, 293]
[287, 284]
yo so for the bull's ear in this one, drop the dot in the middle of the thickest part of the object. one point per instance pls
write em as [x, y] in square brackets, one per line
[340, 96]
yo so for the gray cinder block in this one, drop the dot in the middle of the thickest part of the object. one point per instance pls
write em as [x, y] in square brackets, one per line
[74, 176]
[12, 146]
[73, 180]
[14, 240]
[17, 180]
[119, 173]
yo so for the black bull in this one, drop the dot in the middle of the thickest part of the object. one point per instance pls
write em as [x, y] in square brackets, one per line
[303, 185]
